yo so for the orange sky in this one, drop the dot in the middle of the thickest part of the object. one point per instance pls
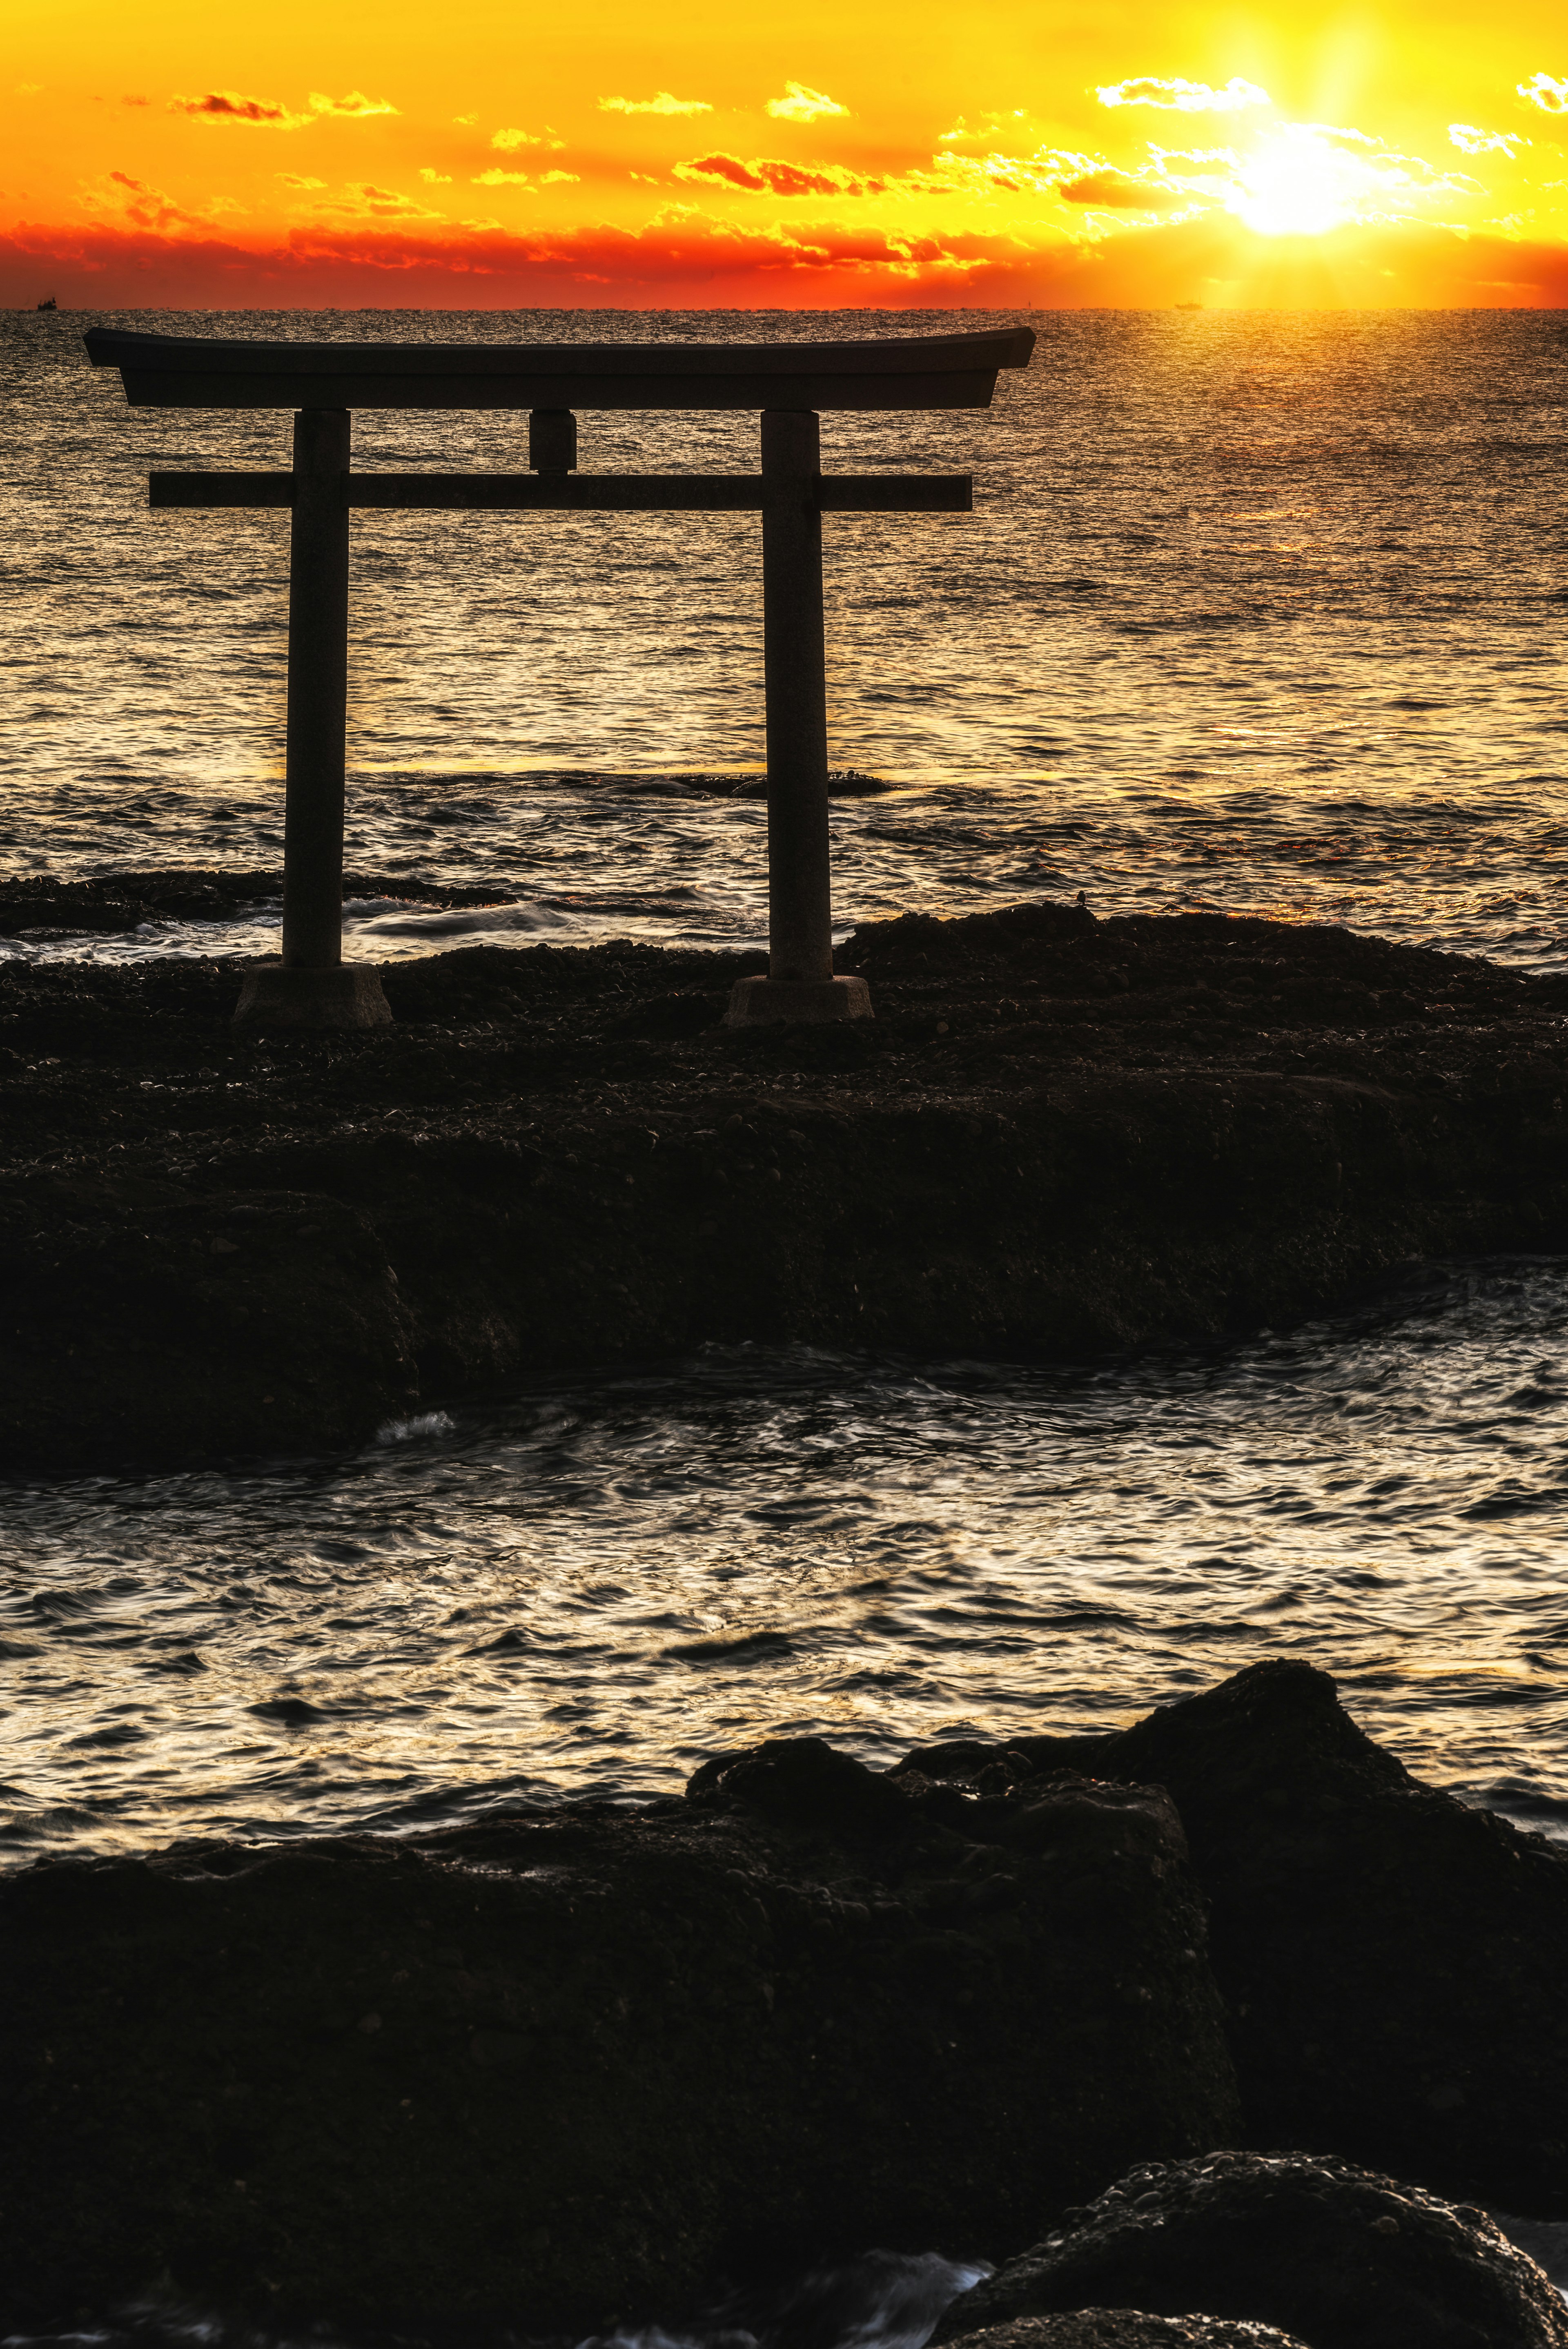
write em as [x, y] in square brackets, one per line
[473, 155]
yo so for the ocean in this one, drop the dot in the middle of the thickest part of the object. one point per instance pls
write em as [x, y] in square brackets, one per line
[1257, 612]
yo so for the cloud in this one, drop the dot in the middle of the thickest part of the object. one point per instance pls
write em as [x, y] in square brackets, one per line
[1184, 97]
[662, 103]
[365, 201]
[1544, 91]
[495, 178]
[559, 178]
[355, 106]
[466, 119]
[271, 114]
[435, 178]
[230, 106]
[149, 208]
[1472, 141]
[1119, 190]
[136, 101]
[298, 180]
[988, 128]
[27, 89]
[800, 104]
[1008, 175]
[764, 175]
[337, 262]
[509, 141]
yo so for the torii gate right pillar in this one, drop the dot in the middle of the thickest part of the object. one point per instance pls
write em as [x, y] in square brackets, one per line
[310, 985]
[799, 984]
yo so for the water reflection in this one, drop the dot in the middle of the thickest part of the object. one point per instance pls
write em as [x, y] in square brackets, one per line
[592, 1586]
[1256, 611]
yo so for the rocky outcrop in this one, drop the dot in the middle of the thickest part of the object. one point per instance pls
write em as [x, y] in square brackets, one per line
[1056, 1135]
[567, 2066]
[1343, 2258]
[1394, 1963]
[145, 1322]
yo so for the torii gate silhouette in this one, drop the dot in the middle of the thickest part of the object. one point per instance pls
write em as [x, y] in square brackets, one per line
[312, 986]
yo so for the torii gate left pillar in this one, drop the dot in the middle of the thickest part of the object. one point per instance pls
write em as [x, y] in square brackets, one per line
[310, 985]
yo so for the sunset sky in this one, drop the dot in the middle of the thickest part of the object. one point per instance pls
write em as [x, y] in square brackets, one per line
[990, 155]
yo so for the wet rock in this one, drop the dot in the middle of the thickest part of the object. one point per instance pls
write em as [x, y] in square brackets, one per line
[1122, 2328]
[1395, 1963]
[1341, 2257]
[670, 1016]
[142, 1326]
[1057, 1135]
[616, 2055]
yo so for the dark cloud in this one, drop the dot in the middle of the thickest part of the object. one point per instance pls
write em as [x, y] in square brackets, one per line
[1119, 192]
[766, 175]
[229, 106]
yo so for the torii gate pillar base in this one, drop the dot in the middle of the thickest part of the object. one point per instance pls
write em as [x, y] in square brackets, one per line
[754, 1000]
[346, 995]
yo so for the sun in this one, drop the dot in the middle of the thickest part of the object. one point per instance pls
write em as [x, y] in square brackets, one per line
[1298, 185]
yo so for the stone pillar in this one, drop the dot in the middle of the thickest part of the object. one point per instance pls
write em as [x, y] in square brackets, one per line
[799, 984]
[312, 986]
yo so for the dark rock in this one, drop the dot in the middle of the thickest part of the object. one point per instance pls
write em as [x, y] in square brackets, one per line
[670, 1016]
[139, 1323]
[1343, 2258]
[802, 1782]
[1056, 1135]
[571, 2065]
[1123, 2328]
[1395, 1963]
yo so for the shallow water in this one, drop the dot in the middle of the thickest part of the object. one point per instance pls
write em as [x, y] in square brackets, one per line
[1257, 611]
[590, 1585]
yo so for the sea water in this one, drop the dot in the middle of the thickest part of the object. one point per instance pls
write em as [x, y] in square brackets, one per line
[1255, 612]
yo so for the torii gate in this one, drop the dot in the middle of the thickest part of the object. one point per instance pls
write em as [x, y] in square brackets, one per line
[788, 382]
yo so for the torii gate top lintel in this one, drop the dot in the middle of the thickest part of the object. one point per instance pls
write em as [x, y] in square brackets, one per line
[895, 371]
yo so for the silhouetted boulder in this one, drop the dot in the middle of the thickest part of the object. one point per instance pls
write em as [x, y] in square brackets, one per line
[567, 2066]
[1395, 1963]
[1343, 2258]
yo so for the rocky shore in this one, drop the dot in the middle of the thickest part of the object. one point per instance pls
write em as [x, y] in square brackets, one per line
[1057, 2004]
[1057, 1135]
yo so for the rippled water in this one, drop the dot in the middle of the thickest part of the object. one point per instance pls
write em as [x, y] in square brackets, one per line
[592, 1586]
[1258, 611]
[1255, 612]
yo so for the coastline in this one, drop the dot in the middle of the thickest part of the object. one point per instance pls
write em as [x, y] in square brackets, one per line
[1058, 1136]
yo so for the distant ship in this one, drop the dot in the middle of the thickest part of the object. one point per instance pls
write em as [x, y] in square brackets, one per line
[1189, 306]
[48, 302]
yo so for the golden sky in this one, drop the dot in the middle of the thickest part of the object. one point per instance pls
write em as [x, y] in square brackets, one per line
[616, 154]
